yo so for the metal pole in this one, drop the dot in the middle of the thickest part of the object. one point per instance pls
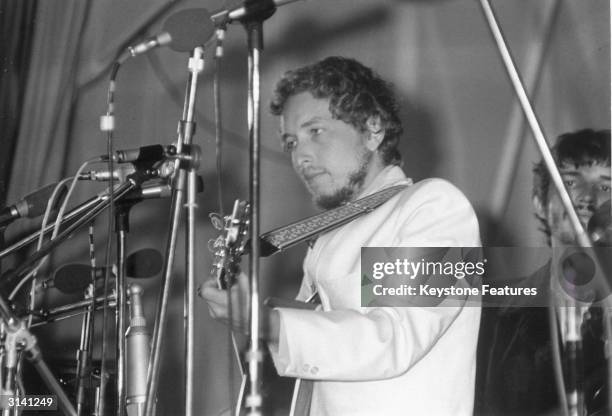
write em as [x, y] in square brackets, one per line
[49, 246]
[49, 228]
[186, 131]
[254, 354]
[534, 124]
[120, 290]
[515, 130]
[160, 318]
[190, 290]
[573, 343]
[197, 66]
[73, 309]
[84, 353]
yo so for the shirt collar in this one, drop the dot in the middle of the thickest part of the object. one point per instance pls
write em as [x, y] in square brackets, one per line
[391, 175]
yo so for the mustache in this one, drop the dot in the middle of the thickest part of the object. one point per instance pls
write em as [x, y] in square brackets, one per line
[310, 172]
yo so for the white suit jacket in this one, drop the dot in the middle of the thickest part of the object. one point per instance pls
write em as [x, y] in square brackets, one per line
[389, 360]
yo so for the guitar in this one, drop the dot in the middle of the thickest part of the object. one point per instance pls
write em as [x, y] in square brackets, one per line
[229, 246]
[228, 249]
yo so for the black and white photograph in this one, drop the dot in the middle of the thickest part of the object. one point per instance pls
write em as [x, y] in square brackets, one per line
[305, 208]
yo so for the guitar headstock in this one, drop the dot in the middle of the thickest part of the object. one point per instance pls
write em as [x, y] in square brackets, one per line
[229, 246]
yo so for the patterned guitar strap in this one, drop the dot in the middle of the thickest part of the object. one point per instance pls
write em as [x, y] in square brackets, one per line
[282, 238]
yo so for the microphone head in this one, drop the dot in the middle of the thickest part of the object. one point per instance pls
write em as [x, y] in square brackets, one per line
[143, 263]
[189, 28]
[35, 203]
[72, 278]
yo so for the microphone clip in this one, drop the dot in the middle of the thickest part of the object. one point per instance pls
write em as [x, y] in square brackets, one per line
[252, 11]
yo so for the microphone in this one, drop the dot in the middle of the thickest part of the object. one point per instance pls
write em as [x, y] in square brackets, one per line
[247, 9]
[31, 206]
[151, 153]
[160, 190]
[138, 349]
[74, 278]
[119, 174]
[182, 31]
[144, 263]
[163, 190]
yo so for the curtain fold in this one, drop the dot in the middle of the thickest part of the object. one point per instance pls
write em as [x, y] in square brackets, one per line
[16, 23]
[45, 120]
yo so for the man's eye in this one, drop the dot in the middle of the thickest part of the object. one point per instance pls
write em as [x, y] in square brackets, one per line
[289, 145]
[315, 131]
[605, 187]
[570, 183]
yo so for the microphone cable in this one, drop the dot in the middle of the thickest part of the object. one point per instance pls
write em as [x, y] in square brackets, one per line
[57, 192]
[58, 220]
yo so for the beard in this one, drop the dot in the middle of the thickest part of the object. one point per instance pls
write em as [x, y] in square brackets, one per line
[351, 189]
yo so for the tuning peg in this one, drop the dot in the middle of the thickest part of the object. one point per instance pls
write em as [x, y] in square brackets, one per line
[215, 244]
[216, 220]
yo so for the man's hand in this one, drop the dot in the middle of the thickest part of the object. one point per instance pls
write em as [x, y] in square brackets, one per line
[219, 307]
[219, 302]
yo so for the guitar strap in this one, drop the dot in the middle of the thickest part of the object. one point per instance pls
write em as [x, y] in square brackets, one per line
[284, 237]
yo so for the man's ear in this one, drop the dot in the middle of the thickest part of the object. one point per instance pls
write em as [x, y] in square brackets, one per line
[376, 133]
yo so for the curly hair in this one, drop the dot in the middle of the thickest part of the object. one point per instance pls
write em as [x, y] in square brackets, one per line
[581, 148]
[355, 94]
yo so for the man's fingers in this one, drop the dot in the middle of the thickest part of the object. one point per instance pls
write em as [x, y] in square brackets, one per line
[209, 284]
[211, 293]
[218, 305]
[217, 312]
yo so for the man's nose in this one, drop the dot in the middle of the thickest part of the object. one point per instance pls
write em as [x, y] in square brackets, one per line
[587, 194]
[304, 153]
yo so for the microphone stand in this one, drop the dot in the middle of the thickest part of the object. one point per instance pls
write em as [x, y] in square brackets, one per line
[122, 227]
[255, 12]
[68, 311]
[68, 218]
[75, 213]
[187, 160]
[19, 338]
[253, 24]
[134, 181]
[84, 353]
[16, 330]
[254, 354]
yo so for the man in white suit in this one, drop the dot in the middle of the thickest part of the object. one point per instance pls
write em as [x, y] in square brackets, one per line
[340, 125]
